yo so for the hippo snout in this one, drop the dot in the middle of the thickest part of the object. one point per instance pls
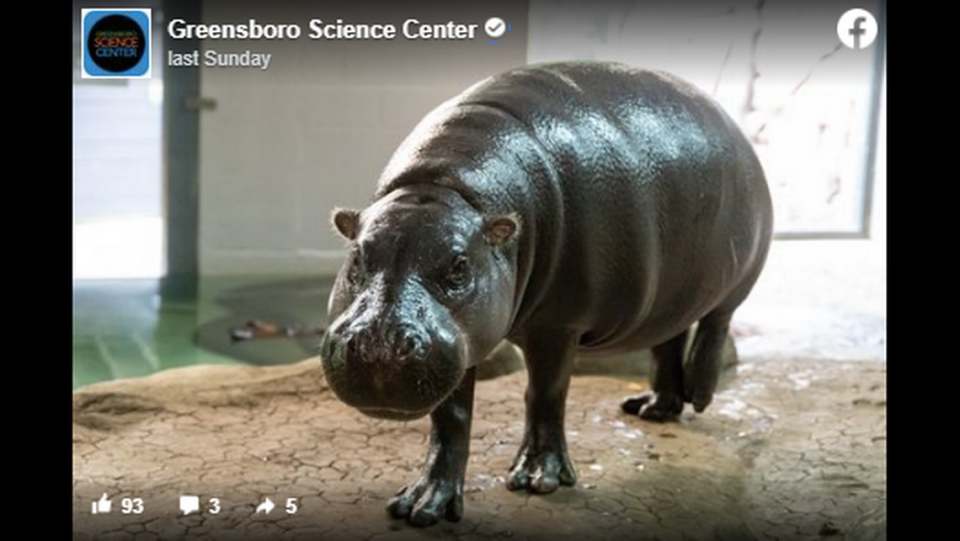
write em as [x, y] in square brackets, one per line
[407, 344]
[400, 371]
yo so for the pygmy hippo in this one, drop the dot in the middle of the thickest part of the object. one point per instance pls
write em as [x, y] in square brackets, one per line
[570, 208]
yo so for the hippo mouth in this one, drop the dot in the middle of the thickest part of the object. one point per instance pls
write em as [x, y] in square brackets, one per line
[393, 414]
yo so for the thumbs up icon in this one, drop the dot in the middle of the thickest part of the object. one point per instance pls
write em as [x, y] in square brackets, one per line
[102, 505]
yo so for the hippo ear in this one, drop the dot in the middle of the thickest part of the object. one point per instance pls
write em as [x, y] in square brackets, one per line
[346, 222]
[502, 230]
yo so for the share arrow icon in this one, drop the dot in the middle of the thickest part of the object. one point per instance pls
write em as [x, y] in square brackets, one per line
[266, 506]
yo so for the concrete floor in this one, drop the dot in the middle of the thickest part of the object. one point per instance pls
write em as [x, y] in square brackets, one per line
[790, 450]
[819, 300]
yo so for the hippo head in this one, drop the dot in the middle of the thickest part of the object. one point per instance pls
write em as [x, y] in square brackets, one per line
[425, 293]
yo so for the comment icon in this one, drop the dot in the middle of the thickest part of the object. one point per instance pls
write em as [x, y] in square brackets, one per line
[189, 504]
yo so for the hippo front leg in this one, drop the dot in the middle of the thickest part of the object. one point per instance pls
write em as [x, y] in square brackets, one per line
[439, 489]
[542, 463]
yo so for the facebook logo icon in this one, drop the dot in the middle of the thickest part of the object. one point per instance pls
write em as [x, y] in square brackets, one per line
[857, 28]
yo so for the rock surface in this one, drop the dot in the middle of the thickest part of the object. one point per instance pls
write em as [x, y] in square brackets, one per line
[789, 450]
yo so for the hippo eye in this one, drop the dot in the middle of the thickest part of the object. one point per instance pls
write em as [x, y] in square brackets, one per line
[458, 274]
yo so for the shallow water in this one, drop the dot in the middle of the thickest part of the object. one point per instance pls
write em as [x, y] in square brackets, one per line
[129, 328]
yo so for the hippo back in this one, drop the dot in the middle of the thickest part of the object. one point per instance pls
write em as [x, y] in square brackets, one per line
[643, 207]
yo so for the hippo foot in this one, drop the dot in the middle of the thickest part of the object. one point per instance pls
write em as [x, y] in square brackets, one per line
[700, 394]
[424, 501]
[655, 407]
[541, 470]
[700, 400]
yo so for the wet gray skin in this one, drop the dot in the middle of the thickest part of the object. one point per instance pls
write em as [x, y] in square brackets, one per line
[571, 208]
[426, 284]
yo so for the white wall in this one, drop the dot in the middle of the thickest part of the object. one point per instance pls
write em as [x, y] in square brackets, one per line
[878, 225]
[780, 71]
[286, 145]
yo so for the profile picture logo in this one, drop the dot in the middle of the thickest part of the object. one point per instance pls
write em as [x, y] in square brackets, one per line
[116, 43]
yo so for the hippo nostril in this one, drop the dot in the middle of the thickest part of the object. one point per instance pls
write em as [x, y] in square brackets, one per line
[410, 345]
[369, 346]
[406, 347]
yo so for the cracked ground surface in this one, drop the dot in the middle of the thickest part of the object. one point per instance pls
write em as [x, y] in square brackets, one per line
[788, 450]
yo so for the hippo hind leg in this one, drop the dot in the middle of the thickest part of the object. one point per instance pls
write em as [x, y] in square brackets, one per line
[702, 372]
[665, 403]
